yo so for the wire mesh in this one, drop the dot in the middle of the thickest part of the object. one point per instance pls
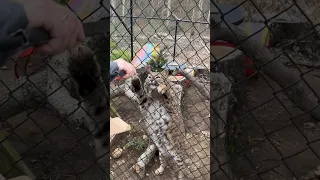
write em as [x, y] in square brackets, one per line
[55, 145]
[180, 29]
[42, 132]
[264, 80]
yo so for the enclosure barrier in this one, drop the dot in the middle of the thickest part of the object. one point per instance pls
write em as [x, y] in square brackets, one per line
[50, 139]
[264, 123]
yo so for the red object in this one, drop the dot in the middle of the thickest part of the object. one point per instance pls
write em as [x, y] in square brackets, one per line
[249, 70]
[25, 54]
[188, 82]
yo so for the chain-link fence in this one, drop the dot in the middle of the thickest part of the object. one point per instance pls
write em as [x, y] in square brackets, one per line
[164, 35]
[43, 111]
[42, 132]
[265, 107]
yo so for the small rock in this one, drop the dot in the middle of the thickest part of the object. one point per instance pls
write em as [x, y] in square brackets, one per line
[121, 162]
[147, 174]
[309, 124]
[317, 172]
[3, 68]
[206, 133]
[188, 161]
[144, 137]
[188, 135]
[117, 153]
[30, 64]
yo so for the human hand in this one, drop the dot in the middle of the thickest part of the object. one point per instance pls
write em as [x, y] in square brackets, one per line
[63, 25]
[127, 67]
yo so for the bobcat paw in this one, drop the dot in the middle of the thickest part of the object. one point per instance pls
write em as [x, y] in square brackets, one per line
[161, 89]
[140, 170]
[159, 171]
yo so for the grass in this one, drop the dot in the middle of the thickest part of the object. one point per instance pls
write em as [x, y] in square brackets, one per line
[117, 52]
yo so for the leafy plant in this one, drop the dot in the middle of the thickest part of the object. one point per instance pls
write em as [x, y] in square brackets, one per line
[158, 62]
[136, 143]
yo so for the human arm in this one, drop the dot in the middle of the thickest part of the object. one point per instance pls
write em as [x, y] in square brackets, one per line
[121, 65]
[114, 70]
[64, 27]
[12, 18]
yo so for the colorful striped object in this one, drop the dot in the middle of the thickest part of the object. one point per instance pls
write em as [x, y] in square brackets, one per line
[249, 66]
[83, 8]
[148, 52]
[262, 36]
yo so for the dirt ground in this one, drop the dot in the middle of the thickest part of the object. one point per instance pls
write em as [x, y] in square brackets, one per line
[275, 146]
[197, 146]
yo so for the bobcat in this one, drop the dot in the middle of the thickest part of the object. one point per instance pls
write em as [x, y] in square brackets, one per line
[76, 89]
[159, 103]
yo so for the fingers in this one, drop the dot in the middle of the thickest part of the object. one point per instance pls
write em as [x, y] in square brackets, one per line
[127, 67]
[130, 70]
[65, 29]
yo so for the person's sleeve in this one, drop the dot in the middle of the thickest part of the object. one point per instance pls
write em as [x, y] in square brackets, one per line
[114, 70]
[12, 19]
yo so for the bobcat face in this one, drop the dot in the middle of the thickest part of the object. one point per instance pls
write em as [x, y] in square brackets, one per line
[86, 77]
[156, 79]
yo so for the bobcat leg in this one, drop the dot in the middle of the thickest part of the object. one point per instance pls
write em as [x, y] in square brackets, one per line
[163, 165]
[172, 152]
[144, 159]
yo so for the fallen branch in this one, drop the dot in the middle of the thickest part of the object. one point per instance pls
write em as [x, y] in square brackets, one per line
[298, 93]
[201, 87]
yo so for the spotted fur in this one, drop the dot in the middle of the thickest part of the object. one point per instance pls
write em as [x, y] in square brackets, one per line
[159, 102]
[82, 93]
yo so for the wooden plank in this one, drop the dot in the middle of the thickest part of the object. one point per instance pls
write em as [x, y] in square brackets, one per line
[117, 126]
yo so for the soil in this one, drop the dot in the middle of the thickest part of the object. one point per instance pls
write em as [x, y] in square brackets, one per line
[278, 141]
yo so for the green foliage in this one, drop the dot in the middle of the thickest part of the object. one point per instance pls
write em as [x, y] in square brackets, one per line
[137, 143]
[113, 45]
[157, 63]
[117, 53]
